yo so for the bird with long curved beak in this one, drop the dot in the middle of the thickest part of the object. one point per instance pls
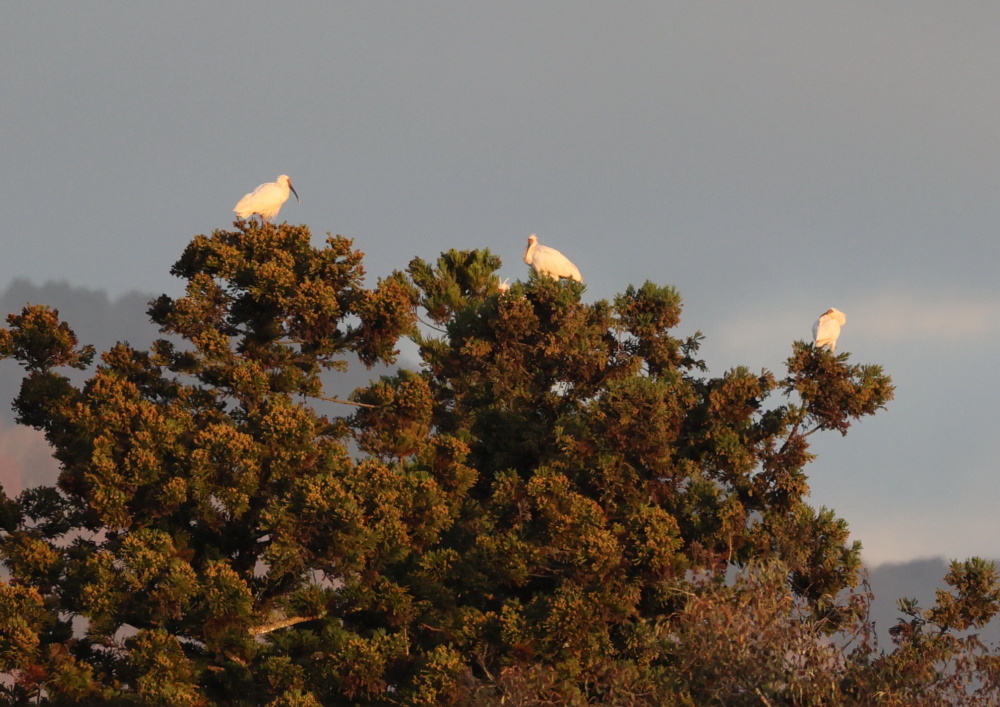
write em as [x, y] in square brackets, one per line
[267, 199]
[826, 329]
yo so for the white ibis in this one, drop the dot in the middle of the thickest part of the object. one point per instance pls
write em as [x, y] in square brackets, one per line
[827, 329]
[266, 200]
[549, 261]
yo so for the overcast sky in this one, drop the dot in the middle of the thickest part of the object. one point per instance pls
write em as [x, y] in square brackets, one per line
[769, 159]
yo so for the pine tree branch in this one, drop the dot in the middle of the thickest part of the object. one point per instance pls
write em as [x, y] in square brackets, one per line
[283, 623]
[817, 428]
[763, 699]
[344, 402]
[428, 324]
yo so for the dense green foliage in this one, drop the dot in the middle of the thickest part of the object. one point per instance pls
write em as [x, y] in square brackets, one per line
[546, 512]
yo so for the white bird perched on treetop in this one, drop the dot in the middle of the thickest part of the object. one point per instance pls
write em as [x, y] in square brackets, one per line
[827, 329]
[549, 261]
[266, 200]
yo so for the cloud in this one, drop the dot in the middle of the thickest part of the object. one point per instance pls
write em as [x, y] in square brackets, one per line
[898, 317]
[765, 330]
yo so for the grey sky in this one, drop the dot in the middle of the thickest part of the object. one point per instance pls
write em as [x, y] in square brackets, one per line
[769, 159]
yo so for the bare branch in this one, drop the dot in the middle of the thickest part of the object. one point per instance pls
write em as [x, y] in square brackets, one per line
[283, 623]
[428, 324]
[763, 699]
[344, 402]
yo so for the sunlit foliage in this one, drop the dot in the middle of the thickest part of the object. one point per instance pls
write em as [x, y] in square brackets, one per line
[558, 506]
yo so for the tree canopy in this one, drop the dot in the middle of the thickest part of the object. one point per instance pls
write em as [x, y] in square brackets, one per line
[559, 505]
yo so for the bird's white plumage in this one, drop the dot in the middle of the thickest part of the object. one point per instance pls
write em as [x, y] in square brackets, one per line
[826, 329]
[266, 200]
[549, 261]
